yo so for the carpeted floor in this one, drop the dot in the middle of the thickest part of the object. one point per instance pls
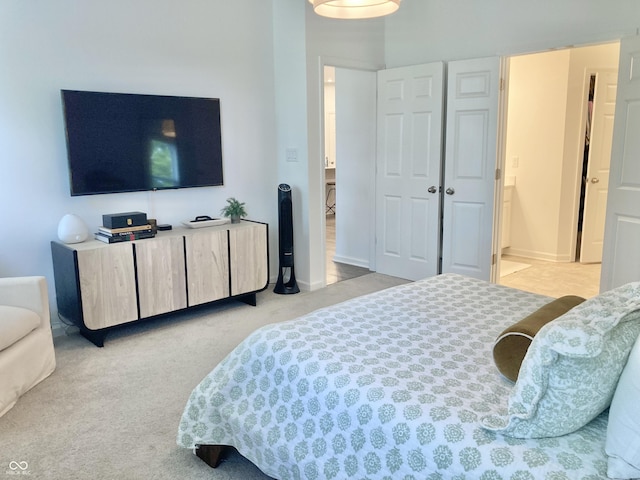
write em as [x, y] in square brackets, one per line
[113, 412]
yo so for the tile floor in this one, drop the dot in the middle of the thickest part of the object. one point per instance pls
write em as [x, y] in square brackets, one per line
[553, 278]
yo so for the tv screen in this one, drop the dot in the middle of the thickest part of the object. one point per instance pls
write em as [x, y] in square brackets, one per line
[122, 142]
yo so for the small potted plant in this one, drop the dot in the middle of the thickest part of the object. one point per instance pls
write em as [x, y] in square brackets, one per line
[234, 210]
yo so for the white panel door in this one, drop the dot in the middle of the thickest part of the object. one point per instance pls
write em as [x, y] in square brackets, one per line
[597, 181]
[410, 112]
[473, 88]
[621, 254]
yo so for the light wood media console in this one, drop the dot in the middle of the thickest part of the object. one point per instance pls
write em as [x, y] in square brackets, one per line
[100, 286]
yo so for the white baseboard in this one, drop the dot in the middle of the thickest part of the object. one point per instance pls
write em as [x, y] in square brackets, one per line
[547, 257]
[356, 262]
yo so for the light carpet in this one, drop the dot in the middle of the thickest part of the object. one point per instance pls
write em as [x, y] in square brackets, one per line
[113, 412]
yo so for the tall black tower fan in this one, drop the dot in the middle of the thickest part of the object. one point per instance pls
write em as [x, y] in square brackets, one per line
[286, 277]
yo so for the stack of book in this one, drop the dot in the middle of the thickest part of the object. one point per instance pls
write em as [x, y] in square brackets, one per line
[124, 234]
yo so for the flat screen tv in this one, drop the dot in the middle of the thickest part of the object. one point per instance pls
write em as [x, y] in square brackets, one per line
[123, 142]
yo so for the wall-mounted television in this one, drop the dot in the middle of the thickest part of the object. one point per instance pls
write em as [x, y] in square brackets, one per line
[124, 142]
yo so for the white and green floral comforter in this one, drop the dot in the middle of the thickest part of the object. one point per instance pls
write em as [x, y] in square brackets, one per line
[386, 386]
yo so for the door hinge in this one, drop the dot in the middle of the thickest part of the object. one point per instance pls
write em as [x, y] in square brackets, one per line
[501, 84]
[498, 173]
[494, 259]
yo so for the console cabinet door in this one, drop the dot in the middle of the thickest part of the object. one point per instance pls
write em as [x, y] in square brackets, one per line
[162, 285]
[248, 258]
[207, 256]
[107, 285]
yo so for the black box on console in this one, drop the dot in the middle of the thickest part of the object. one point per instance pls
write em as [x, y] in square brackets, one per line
[126, 219]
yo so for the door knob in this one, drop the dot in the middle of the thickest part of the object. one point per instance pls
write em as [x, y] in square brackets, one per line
[432, 189]
[449, 191]
[595, 180]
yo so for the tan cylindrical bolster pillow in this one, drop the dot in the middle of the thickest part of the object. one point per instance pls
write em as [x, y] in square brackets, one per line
[512, 344]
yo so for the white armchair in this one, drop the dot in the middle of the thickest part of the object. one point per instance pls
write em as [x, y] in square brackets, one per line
[26, 344]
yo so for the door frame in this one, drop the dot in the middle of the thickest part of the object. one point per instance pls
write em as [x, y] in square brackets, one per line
[320, 177]
[501, 153]
[502, 142]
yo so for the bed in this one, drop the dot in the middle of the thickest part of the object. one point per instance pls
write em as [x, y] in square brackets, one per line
[399, 384]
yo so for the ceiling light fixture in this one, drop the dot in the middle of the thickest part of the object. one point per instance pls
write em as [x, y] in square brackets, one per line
[354, 9]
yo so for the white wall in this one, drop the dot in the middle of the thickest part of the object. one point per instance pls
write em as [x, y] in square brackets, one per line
[254, 56]
[535, 142]
[303, 43]
[289, 32]
[217, 49]
[423, 31]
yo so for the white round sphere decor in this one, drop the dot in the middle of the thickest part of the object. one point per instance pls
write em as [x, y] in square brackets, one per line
[72, 229]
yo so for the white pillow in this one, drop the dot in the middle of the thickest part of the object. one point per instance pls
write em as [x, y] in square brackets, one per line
[570, 372]
[623, 432]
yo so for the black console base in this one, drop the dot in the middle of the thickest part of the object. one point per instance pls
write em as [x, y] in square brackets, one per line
[94, 336]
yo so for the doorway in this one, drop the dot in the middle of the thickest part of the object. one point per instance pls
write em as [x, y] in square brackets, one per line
[349, 150]
[547, 196]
